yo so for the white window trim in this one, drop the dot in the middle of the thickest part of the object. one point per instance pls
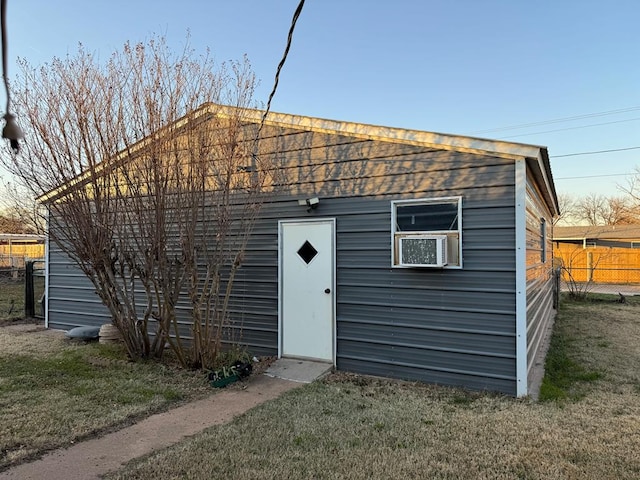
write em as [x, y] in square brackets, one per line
[543, 240]
[426, 201]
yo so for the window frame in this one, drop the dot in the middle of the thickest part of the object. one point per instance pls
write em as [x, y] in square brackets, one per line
[454, 236]
[543, 240]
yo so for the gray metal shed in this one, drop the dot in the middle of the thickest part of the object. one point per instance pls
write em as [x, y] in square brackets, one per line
[393, 252]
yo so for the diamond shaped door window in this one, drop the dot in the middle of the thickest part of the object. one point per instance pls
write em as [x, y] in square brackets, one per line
[307, 252]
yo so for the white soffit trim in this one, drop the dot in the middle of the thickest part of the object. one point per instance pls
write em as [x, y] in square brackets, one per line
[543, 177]
[440, 141]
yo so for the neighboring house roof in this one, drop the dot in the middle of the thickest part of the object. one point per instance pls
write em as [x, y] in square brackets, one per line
[598, 232]
[537, 157]
[21, 237]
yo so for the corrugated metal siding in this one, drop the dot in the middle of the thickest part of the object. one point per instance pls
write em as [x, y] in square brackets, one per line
[72, 300]
[444, 326]
[454, 327]
[539, 274]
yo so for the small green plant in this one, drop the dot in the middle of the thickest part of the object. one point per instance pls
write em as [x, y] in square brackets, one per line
[235, 353]
[550, 391]
[235, 364]
[225, 372]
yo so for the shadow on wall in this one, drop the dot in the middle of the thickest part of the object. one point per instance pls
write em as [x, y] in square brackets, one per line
[335, 166]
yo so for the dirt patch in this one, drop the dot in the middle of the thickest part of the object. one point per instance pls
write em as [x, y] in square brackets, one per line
[262, 364]
[29, 339]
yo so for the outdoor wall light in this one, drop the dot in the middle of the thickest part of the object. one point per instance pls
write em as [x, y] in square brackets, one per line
[310, 203]
[11, 130]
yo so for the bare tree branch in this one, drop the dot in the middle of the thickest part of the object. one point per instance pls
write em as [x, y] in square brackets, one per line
[148, 190]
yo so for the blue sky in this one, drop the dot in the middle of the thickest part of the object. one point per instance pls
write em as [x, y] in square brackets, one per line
[455, 66]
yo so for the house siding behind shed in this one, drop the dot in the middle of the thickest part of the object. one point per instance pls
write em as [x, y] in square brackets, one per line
[539, 278]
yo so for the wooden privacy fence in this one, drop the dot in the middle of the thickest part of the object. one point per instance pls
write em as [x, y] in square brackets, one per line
[17, 249]
[29, 250]
[598, 264]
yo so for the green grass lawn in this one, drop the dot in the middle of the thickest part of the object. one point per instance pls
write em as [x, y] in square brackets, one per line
[54, 392]
[356, 427]
[12, 293]
[11, 299]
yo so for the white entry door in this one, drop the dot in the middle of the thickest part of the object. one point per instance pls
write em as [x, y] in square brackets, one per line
[307, 264]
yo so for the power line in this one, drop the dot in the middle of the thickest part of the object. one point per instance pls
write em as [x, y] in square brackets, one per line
[572, 128]
[594, 152]
[596, 176]
[560, 120]
[296, 14]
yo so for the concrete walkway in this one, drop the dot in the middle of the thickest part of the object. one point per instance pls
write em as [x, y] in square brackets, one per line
[92, 458]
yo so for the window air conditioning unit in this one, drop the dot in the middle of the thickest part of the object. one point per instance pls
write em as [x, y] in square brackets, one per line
[422, 251]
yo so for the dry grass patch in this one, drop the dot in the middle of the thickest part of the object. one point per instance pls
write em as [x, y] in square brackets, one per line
[11, 299]
[359, 428]
[604, 337]
[54, 392]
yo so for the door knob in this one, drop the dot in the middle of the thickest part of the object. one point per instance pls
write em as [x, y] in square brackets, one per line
[327, 290]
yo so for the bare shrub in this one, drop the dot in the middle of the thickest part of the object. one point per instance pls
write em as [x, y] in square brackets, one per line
[150, 193]
[577, 274]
